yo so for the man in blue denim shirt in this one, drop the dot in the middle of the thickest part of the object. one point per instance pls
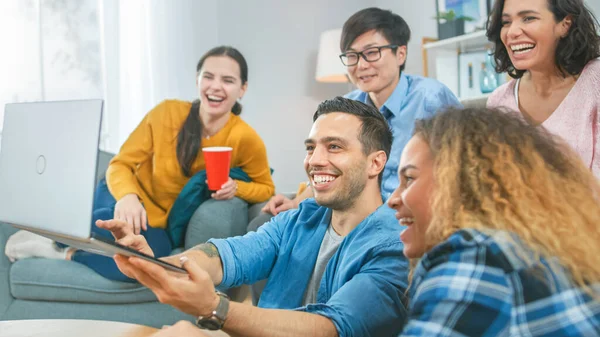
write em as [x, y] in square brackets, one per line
[336, 261]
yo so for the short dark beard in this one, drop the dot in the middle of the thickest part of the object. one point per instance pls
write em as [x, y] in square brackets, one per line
[347, 196]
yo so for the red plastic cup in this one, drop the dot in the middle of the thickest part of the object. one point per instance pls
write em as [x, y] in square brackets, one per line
[217, 159]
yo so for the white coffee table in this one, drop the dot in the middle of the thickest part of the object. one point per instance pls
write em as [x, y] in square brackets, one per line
[78, 328]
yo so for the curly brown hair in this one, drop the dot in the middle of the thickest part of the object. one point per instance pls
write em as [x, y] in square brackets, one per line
[495, 171]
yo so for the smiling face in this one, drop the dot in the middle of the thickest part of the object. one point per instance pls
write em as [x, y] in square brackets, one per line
[379, 76]
[411, 199]
[530, 33]
[219, 85]
[335, 162]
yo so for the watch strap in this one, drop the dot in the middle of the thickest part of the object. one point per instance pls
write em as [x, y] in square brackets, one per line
[217, 317]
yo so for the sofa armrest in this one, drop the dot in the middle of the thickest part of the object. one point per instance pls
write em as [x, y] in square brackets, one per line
[5, 296]
[103, 161]
[255, 209]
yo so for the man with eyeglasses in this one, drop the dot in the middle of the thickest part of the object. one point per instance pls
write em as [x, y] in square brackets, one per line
[374, 50]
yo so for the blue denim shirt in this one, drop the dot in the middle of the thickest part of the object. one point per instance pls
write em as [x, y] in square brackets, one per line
[363, 286]
[415, 97]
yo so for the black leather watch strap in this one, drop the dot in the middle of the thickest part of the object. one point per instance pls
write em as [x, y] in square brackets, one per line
[217, 318]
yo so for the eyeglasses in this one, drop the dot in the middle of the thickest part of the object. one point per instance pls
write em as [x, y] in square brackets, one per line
[370, 55]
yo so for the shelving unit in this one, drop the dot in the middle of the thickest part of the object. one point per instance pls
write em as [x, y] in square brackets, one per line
[463, 43]
[473, 98]
[441, 59]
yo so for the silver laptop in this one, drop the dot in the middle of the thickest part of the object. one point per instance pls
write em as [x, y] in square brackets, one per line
[48, 161]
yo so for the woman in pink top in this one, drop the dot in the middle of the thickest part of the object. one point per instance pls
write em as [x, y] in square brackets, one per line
[550, 49]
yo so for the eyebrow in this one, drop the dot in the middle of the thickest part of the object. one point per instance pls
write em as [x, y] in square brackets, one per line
[326, 140]
[522, 13]
[365, 47]
[225, 76]
[406, 168]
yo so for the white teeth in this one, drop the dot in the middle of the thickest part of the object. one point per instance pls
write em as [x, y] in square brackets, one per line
[320, 179]
[407, 220]
[519, 47]
[215, 98]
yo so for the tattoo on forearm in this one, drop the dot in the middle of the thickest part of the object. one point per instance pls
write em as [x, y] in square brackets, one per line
[209, 249]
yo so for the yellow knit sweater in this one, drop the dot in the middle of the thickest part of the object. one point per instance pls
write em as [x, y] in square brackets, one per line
[147, 163]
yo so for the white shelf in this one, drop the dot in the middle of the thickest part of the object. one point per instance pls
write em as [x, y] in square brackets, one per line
[462, 43]
[474, 98]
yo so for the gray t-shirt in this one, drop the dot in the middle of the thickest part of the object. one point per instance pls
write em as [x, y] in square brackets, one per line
[331, 242]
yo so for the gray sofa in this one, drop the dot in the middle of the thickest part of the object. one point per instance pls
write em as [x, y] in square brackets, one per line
[41, 288]
[45, 289]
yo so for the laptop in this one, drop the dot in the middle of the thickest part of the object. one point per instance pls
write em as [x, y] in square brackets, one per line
[48, 163]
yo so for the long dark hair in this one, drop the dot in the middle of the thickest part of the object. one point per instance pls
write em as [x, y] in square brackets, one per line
[190, 134]
[574, 51]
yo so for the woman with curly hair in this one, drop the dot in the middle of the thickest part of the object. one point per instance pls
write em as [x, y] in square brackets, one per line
[550, 48]
[503, 218]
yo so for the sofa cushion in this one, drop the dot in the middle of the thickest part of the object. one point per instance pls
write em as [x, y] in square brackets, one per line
[68, 281]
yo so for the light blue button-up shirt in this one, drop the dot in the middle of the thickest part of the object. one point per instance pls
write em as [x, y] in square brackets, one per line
[362, 288]
[415, 97]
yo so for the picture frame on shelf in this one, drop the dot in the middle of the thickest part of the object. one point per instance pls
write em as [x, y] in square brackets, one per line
[458, 17]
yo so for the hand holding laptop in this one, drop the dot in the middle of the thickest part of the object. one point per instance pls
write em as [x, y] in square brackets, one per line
[137, 244]
[192, 293]
[125, 235]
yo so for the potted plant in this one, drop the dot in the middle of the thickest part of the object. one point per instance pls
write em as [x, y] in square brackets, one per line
[450, 25]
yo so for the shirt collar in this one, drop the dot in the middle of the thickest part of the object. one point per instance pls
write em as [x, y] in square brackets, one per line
[396, 99]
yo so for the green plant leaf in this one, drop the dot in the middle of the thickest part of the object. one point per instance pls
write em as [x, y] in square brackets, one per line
[451, 16]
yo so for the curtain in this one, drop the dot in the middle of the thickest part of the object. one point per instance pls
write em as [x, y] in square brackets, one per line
[51, 51]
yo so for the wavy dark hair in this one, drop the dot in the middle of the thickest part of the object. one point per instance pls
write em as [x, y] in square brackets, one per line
[190, 134]
[574, 51]
[375, 133]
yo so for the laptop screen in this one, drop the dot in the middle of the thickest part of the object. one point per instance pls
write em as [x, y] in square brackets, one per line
[48, 165]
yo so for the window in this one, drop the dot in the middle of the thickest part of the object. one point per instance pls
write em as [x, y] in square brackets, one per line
[51, 51]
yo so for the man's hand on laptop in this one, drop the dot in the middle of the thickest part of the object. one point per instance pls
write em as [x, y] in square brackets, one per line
[193, 293]
[279, 203]
[125, 236]
[130, 209]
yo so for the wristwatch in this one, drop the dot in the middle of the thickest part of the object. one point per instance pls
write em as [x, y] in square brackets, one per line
[217, 318]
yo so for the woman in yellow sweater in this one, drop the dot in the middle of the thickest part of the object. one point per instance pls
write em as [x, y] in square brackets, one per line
[164, 152]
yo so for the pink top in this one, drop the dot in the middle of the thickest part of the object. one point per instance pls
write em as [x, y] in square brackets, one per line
[575, 119]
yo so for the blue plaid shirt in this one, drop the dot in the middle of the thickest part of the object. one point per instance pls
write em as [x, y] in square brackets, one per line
[477, 284]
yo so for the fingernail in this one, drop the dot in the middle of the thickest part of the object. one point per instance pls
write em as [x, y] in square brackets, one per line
[183, 259]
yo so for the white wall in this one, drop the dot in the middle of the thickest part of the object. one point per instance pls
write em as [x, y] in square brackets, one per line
[419, 17]
[280, 40]
[594, 5]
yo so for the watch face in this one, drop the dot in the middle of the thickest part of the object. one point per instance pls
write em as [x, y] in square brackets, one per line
[209, 324]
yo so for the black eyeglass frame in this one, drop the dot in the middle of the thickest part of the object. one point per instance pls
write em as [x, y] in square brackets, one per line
[361, 54]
